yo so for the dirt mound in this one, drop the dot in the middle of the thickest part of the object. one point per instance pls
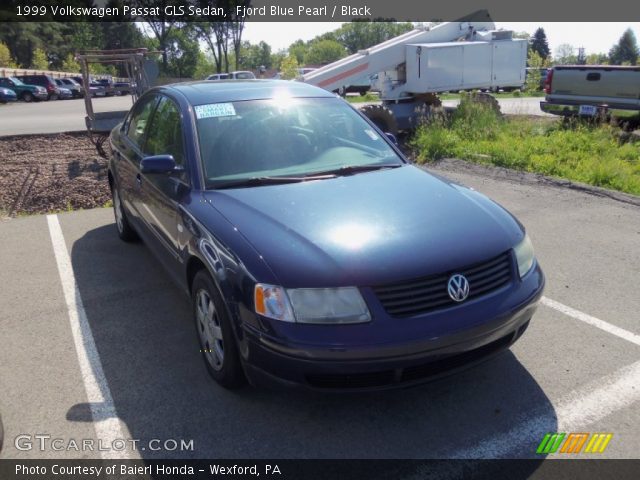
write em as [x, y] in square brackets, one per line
[47, 173]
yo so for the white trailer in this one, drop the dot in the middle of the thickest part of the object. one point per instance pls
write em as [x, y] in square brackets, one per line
[410, 69]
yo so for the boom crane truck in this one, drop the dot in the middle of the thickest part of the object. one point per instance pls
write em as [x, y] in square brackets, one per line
[411, 69]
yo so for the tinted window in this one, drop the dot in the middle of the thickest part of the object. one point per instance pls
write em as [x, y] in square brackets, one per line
[139, 119]
[245, 76]
[165, 132]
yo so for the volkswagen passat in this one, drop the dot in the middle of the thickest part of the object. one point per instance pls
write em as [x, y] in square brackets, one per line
[314, 253]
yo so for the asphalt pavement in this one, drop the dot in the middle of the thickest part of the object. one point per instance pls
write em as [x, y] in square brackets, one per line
[19, 118]
[104, 346]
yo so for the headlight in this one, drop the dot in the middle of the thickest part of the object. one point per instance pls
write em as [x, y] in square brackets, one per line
[311, 305]
[524, 255]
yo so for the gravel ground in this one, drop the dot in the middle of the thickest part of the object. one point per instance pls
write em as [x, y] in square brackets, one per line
[46, 173]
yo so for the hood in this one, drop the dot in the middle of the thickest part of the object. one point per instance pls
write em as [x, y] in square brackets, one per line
[367, 229]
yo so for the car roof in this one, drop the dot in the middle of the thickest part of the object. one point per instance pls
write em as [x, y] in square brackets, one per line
[202, 92]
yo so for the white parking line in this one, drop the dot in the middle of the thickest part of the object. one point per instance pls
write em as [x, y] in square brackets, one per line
[107, 425]
[575, 411]
[593, 321]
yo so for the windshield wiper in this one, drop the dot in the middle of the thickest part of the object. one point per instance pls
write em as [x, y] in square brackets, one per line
[353, 169]
[258, 181]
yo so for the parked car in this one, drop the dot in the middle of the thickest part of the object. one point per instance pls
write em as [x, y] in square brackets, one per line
[123, 88]
[65, 94]
[45, 81]
[25, 92]
[7, 95]
[76, 89]
[314, 253]
[592, 90]
[239, 75]
[107, 84]
[97, 90]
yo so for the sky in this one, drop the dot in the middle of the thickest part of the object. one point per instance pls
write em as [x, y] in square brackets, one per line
[595, 37]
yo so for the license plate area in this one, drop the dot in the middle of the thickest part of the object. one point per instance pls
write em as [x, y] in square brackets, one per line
[588, 110]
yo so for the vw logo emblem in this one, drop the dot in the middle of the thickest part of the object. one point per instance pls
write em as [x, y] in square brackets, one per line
[458, 288]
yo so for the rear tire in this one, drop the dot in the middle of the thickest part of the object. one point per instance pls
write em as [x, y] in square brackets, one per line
[382, 118]
[125, 232]
[213, 326]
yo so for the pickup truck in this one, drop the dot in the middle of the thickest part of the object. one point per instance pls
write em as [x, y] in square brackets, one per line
[591, 90]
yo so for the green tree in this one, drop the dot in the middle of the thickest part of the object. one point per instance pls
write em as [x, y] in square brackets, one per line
[539, 44]
[565, 54]
[39, 60]
[289, 68]
[359, 35]
[6, 60]
[253, 56]
[535, 63]
[70, 64]
[626, 50]
[277, 58]
[597, 59]
[324, 51]
[182, 54]
[205, 66]
[299, 50]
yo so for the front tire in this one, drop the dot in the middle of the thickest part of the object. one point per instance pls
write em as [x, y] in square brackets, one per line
[125, 232]
[213, 326]
[27, 97]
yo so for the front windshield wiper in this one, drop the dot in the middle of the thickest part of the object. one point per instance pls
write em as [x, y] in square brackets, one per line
[258, 181]
[353, 169]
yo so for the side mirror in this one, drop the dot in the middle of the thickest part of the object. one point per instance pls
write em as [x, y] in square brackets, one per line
[392, 137]
[158, 164]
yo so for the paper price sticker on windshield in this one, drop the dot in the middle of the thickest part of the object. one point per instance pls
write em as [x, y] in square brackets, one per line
[214, 110]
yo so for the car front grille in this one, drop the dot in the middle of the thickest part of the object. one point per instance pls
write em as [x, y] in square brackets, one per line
[427, 294]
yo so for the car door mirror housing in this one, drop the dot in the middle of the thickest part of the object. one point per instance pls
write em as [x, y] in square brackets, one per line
[159, 164]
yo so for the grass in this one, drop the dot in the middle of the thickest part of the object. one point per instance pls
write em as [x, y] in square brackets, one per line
[368, 97]
[586, 153]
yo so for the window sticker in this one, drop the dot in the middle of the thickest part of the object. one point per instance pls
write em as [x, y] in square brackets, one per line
[214, 110]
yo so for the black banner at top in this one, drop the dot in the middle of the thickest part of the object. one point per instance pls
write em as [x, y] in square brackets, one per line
[315, 10]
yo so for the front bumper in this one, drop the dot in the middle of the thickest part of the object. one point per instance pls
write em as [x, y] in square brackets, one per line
[385, 366]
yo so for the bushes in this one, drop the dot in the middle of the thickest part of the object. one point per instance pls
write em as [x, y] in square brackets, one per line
[574, 150]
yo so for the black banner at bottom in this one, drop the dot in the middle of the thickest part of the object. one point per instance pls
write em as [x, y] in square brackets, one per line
[318, 469]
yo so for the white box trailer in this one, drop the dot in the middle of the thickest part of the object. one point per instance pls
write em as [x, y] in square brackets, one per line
[440, 67]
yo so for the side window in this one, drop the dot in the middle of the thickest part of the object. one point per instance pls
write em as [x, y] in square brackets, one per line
[138, 121]
[165, 132]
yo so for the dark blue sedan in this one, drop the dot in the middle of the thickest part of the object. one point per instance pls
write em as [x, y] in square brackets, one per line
[7, 95]
[314, 253]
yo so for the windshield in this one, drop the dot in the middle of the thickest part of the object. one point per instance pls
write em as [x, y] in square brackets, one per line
[16, 81]
[286, 137]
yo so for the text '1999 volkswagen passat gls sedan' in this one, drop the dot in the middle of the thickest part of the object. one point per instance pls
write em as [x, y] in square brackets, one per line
[314, 253]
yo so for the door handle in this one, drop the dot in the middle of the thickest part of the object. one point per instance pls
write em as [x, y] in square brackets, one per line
[139, 180]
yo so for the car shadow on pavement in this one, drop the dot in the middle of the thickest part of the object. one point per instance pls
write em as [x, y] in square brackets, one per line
[150, 355]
